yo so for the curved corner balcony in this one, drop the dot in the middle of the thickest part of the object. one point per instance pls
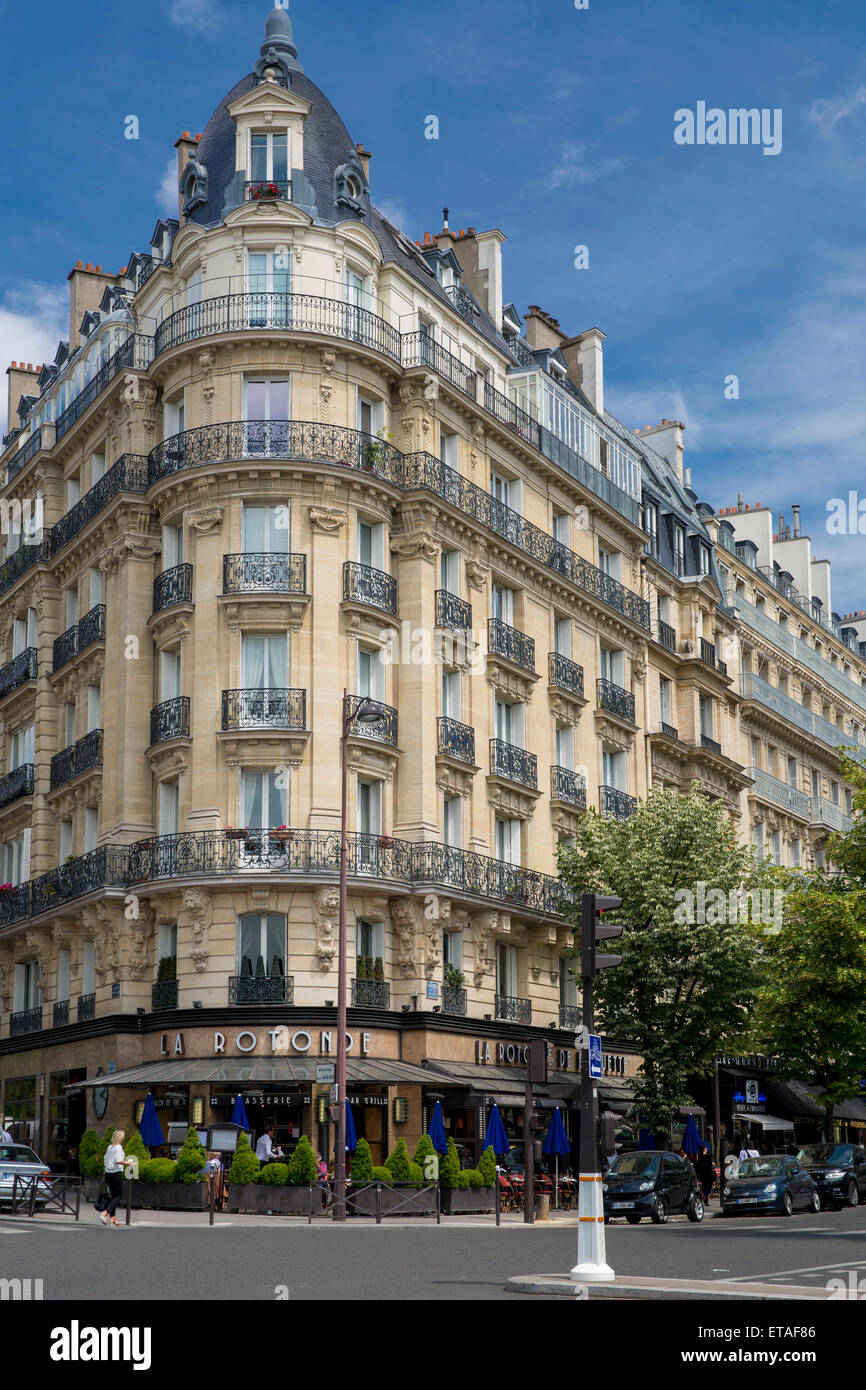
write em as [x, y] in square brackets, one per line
[303, 441]
[264, 709]
[89, 629]
[20, 669]
[374, 588]
[17, 783]
[170, 720]
[171, 587]
[274, 310]
[254, 573]
[381, 730]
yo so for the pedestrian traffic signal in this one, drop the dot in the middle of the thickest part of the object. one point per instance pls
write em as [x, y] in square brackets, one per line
[592, 931]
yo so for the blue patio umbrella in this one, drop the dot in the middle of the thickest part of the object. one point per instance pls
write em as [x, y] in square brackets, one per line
[239, 1114]
[351, 1136]
[149, 1127]
[436, 1130]
[556, 1142]
[646, 1139]
[692, 1141]
[495, 1135]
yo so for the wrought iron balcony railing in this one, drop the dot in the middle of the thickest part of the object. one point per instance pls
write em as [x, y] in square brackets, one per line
[569, 1016]
[78, 757]
[507, 760]
[463, 302]
[710, 657]
[453, 1000]
[566, 785]
[452, 612]
[288, 440]
[613, 698]
[667, 636]
[615, 803]
[670, 730]
[824, 812]
[163, 995]
[171, 587]
[22, 456]
[302, 313]
[515, 1010]
[712, 745]
[136, 352]
[128, 474]
[25, 1021]
[564, 674]
[420, 350]
[60, 1013]
[383, 730]
[86, 1007]
[507, 642]
[264, 709]
[27, 555]
[482, 876]
[20, 669]
[261, 989]
[18, 782]
[371, 994]
[268, 190]
[456, 740]
[91, 628]
[170, 720]
[782, 793]
[106, 866]
[65, 646]
[363, 584]
[264, 573]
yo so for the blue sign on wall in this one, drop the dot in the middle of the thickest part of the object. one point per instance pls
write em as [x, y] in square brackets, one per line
[595, 1056]
[432, 989]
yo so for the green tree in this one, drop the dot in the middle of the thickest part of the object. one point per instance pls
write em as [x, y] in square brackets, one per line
[688, 973]
[302, 1164]
[487, 1167]
[398, 1161]
[191, 1158]
[811, 1007]
[90, 1154]
[423, 1149]
[449, 1167]
[847, 849]
[362, 1163]
[245, 1166]
[135, 1147]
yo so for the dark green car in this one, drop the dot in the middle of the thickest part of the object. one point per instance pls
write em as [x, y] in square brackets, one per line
[838, 1171]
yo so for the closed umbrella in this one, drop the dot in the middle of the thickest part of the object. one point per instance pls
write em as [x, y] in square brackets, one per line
[351, 1136]
[646, 1139]
[556, 1142]
[239, 1114]
[436, 1130]
[692, 1141]
[495, 1135]
[149, 1127]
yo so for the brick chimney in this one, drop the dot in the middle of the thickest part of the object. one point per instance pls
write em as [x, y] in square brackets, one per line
[186, 145]
[23, 381]
[480, 257]
[584, 357]
[667, 440]
[542, 329]
[87, 285]
[364, 156]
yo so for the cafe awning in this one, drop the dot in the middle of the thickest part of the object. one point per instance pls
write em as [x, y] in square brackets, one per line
[255, 1071]
[768, 1122]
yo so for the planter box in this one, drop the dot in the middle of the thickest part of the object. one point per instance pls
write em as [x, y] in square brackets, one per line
[402, 1200]
[263, 1197]
[169, 1196]
[90, 1189]
[459, 1201]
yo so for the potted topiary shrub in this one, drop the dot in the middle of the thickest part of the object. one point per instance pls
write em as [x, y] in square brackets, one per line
[399, 1176]
[90, 1155]
[175, 1186]
[243, 1189]
[362, 1164]
[470, 1190]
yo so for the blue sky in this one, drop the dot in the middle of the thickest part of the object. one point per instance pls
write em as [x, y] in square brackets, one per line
[556, 125]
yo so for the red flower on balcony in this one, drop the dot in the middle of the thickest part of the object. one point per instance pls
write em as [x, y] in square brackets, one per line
[265, 190]
[6, 887]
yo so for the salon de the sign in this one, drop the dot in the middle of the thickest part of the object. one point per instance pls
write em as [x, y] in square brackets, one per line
[321, 1042]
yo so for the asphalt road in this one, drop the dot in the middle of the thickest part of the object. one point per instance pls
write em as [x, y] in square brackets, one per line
[400, 1263]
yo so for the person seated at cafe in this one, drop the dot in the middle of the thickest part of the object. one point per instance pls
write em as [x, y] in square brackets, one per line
[265, 1150]
[212, 1171]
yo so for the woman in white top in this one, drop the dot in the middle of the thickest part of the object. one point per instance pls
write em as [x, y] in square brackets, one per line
[114, 1159]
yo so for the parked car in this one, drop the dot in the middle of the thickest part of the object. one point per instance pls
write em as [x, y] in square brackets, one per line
[839, 1172]
[653, 1184]
[18, 1158]
[774, 1182]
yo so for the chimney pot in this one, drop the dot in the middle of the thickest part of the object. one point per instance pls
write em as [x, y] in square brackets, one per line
[30, 366]
[198, 135]
[471, 231]
[79, 265]
[185, 135]
[426, 238]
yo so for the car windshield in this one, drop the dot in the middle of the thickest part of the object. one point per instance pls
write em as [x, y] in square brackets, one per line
[634, 1165]
[16, 1153]
[760, 1168]
[814, 1154]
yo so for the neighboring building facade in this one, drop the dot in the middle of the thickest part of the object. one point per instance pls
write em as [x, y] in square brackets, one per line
[285, 453]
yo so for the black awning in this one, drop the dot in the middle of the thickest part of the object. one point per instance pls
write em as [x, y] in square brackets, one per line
[255, 1071]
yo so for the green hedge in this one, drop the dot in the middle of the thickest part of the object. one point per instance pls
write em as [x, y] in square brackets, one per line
[191, 1158]
[90, 1154]
[381, 1174]
[157, 1170]
[449, 1167]
[362, 1163]
[274, 1174]
[487, 1167]
[398, 1161]
[302, 1164]
[245, 1166]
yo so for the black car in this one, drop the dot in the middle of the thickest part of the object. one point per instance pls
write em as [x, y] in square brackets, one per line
[774, 1183]
[839, 1172]
[653, 1184]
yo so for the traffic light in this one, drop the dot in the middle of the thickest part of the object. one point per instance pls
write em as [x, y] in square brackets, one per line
[592, 931]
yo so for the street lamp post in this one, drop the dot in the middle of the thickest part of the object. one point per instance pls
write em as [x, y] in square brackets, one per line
[365, 712]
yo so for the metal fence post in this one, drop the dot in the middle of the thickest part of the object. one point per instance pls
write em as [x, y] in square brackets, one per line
[378, 1204]
[78, 1188]
[438, 1206]
[33, 1185]
[211, 1197]
[498, 1202]
[129, 1201]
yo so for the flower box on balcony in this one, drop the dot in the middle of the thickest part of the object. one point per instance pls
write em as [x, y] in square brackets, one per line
[385, 842]
[282, 834]
[6, 887]
[236, 834]
[265, 192]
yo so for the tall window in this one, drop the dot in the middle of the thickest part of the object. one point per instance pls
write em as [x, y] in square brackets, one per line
[269, 157]
[506, 970]
[266, 411]
[508, 840]
[369, 940]
[21, 747]
[65, 840]
[449, 571]
[565, 745]
[611, 665]
[776, 846]
[173, 417]
[451, 694]
[567, 982]
[97, 468]
[371, 673]
[94, 708]
[452, 821]
[679, 550]
[87, 971]
[15, 858]
[562, 636]
[449, 449]
[69, 724]
[24, 632]
[369, 809]
[263, 802]
[91, 828]
[95, 586]
[651, 526]
[502, 604]
[268, 288]
[706, 712]
[371, 544]
[371, 415]
[452, 950]
[27, 988]
[63, 971]
[666, 700]
[264, 530]
[168, 794]
[264, 662]
[72, 606]
[613, 769]
[262, 938]
[510, 723]
[172, 546]
[169, 675]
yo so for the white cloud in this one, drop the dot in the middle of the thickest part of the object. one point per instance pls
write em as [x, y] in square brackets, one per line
[394, 212]
[166, 193]
[827, 112]
[203, 16]
[573, 167]
[33, 319]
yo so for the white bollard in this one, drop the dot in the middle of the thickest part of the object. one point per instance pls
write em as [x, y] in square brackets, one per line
[592, 1266]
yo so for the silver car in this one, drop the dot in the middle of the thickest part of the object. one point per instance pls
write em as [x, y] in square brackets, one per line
[21, 1160]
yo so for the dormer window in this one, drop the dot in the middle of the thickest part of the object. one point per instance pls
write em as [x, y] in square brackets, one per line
[445, 275]
[353, 187]
[269, 157]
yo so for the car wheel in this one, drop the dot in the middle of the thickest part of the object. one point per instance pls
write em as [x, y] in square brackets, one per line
[815, 1203]
[660, 1211]
[632, 1219]
[787, 1205]
[696, 1209]
[853, 1195]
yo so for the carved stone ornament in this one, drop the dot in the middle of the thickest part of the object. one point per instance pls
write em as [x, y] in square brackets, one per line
[421, 545]
[404, 918]
[139, 933]
[327, 519]
[207, 520]
[197, 913]
[484, 925]
[326, 908]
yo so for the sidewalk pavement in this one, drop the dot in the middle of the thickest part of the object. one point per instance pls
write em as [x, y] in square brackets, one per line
[626, 1287]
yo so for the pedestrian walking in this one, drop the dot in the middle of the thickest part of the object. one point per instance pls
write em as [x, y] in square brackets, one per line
[748, 1150]
[113, 1165]
[706, 1172]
